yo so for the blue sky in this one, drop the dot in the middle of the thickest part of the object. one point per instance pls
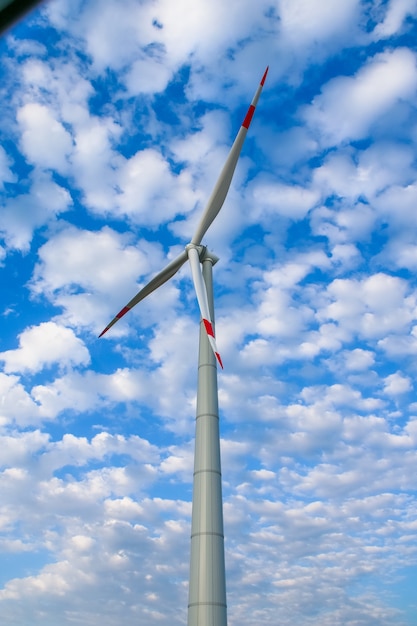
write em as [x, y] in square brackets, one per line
[116, 118]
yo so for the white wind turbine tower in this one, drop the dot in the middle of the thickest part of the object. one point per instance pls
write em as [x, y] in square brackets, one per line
[207, 587]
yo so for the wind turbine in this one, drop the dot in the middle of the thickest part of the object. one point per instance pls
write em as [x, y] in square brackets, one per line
[207, 583]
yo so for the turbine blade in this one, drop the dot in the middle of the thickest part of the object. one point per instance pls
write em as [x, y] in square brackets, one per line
[158, 280]
[219, 193]
[200, 289]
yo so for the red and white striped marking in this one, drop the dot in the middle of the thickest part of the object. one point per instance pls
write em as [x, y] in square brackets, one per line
[249, 115]
[115, 319]
[201, 292]
[219, 193]
[210, 334]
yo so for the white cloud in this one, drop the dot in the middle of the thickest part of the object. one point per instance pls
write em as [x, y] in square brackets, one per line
[112, 33]
[99, 558]
[396, 14]
[400, 345]
[353, 174]
[95, 162]
[277, 312]
[26, 47]
[79, 451]
[16, 403]
[19, 447]
[58, 131]
[147, 76]
[45, 142]
[22, 214]
[344, 225]
[118, 37]
[105, 254]
[58, 86]
[89, 391]
[306, 22]
[103, 264]
[348, 106]
[359, 359]
[45, 345]
[150, 193]
[290, 201]
[396, 384]
[395, 205]
[345, 256]
[371, 307]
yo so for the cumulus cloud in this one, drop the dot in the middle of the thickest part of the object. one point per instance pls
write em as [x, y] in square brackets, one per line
[17, 404]
[44, 345]
[358, 359]
[348, 106]
[88, 391]
[19, 447]
[311, 21]
[396, 384]
[154, 32]
[23, 214]
[90, 273]
[45, 142]
[396, 14]
[95, 162]
[371, 307]
[290, 201]
[150, 192]
[147, 76]
[367, 173]
[65, 257]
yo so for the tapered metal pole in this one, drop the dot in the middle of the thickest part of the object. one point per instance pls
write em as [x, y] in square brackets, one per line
[207, 590]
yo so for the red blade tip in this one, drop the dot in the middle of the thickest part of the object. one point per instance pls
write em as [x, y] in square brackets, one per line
[118, 316]
[264, 76]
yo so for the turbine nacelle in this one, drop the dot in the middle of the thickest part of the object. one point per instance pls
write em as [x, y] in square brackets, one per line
[203, 253]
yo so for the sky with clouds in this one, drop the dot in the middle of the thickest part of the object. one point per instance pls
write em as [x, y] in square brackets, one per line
[116, 118]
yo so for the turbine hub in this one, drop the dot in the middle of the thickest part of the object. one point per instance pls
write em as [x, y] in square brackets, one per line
[203, 253]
